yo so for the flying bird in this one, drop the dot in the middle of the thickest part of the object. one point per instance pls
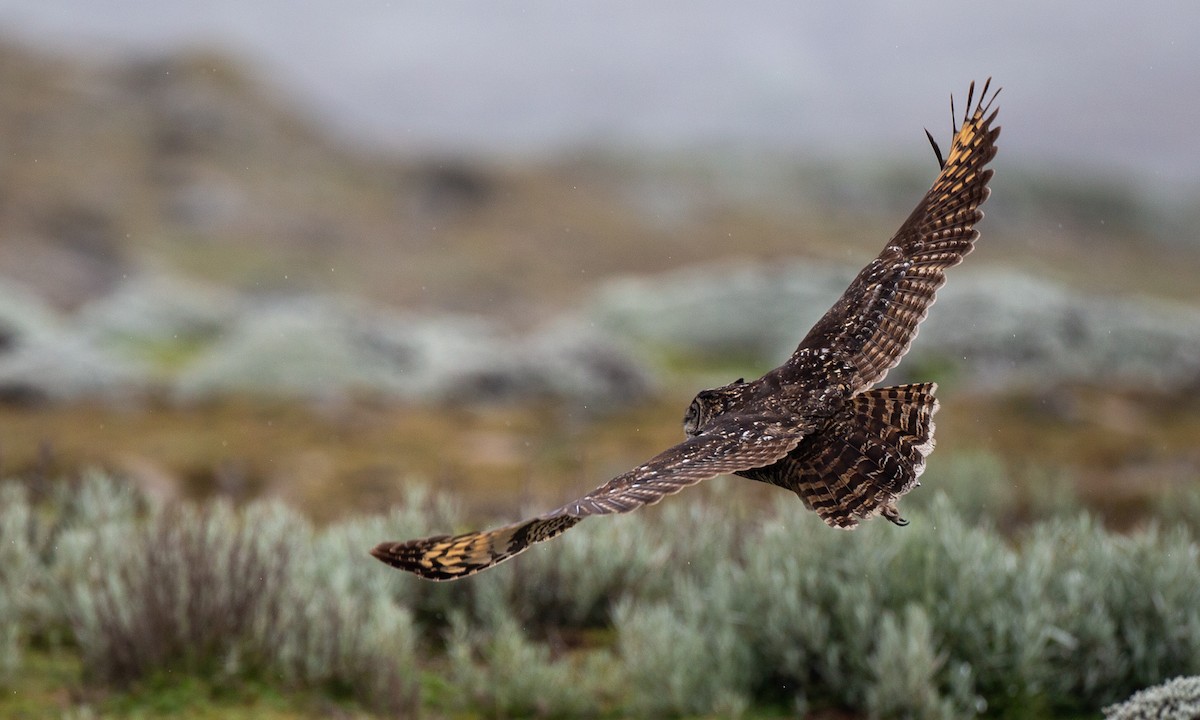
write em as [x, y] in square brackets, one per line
[815, 425]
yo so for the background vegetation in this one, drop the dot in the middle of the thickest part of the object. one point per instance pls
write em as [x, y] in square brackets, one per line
[235, 354]
[710, 607]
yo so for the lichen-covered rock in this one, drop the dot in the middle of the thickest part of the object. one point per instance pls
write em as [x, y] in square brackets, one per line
[43, 357]
[576, 359]
[323, 348]
[329, 348]
[569, 358]
[1007, 326]
[23, 313]
[158, 308]
[720, 311]
[997, 327]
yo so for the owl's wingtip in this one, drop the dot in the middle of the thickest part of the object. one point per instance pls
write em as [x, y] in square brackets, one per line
[400, 555]
[937, 151]
[383, 552]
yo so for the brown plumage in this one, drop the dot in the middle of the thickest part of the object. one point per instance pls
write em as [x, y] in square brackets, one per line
[812, 425]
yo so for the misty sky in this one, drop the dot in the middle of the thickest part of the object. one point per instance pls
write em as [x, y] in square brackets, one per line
[1106, 87]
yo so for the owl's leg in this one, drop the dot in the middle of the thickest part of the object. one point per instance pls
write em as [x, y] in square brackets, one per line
[865, 460]
[892, 513]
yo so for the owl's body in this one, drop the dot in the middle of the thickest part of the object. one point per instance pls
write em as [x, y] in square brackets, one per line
[814, 425]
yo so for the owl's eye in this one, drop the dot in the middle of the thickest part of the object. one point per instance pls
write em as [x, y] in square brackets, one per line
[692, 419]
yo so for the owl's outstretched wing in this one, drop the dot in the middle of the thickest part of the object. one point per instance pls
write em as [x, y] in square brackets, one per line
[739, 443]
[874, 322]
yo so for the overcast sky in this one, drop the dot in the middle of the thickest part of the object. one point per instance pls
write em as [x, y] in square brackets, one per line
[1102, 86]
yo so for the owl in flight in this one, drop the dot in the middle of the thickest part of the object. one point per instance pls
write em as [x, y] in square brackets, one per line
[814, 425]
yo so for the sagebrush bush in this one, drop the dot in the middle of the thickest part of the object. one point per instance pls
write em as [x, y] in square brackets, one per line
[190, 590]
[1121, 612]
[500, 671]
[209, 590]
[576, 583]
[351, 635]
[1067, 619]
[905, 667]
[706, 607]
[968, 583]
[10, 636]
[689, 656]
[342, 551]
[1180, 504]
[17, 574]
[573, 584]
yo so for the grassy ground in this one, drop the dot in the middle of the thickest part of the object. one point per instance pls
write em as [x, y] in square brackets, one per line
[1117, 450]
[50, 687]
[50, 684]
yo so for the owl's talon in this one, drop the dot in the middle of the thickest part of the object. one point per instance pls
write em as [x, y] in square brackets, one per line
[892, 513]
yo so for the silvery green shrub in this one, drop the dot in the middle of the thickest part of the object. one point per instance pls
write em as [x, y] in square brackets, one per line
[1121, 611]
[230, 594]
[906, 664]
[18, 574]
[691, 655]
[501, 672]
[1066, 618]
[708, 606]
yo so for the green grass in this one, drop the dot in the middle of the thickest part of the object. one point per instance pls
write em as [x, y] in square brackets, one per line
[334, 462]
[43, 686]
[51, 684]
[165, 356]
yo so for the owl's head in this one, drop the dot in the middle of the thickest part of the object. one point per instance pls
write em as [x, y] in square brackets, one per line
[708, 404]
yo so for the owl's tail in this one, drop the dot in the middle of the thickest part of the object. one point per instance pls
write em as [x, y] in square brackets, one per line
[870, 456]
[451, 557]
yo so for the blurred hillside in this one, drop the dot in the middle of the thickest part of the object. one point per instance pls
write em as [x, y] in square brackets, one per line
[186, 164]
[189, 265]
